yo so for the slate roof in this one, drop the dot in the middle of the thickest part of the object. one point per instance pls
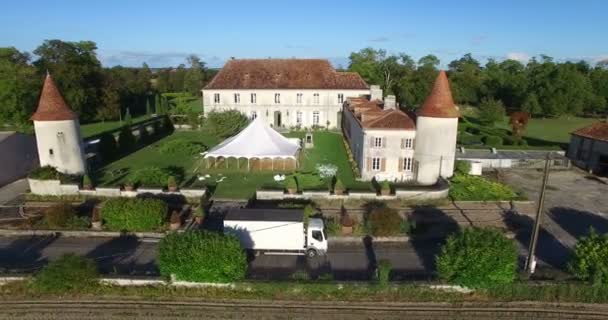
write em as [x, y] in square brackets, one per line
[597, 131]
[439, 104]
[284, 74]
[51, 106]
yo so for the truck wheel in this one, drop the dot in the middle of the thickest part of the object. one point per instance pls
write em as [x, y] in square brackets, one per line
[311, 253]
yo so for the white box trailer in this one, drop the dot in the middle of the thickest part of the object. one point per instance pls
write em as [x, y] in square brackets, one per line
[276, 231]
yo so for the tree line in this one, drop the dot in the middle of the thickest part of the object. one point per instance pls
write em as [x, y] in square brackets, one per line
[94, 92]
[542, 86]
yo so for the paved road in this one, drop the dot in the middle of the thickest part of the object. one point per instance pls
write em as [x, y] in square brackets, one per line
[13, 190]
[130, 255]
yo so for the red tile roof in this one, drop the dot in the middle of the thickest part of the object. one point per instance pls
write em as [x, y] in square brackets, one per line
[371, 115]
[439, 104]
[598, 131]
[51, 106]
[284, 74]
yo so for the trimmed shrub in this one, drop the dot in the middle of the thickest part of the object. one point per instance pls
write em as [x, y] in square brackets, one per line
[45, 173]
[291, 183]
[107, 147]
[70, 273]
[462, 167]
[225, 124]
[478, 258]
[171, 183]
[151, 177]
[491, 111]
[126, 139]
[86, 181]
[202, 256]
[467, 139]
[181, 146]
[60, 215]
[465, 187]
[590, 259]
[384, 222]
[338, 185]
[134, 214]
[493, 141]
[385, 187]
[384, 272]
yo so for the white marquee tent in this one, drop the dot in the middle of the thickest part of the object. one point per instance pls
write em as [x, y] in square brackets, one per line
[260, 142]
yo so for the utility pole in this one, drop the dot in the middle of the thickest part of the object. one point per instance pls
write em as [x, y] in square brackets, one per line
[531, 261]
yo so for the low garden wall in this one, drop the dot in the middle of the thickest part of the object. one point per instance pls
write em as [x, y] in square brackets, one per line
[439, 191]
[55, 188]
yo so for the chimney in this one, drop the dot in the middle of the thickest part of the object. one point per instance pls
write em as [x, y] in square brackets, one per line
[375, 93]
[390, 102]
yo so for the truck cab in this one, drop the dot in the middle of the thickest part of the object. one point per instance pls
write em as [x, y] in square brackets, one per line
[316, 243]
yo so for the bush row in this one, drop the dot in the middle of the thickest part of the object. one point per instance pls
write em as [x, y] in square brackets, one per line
[134, 214]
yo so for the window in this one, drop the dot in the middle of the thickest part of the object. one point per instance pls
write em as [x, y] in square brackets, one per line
[377, 142]
[407, 164]
[51, 151]
[376, 164]
[277, 98]
[315, 98]
[237, 98]
[299, 118]
[299, 98]
[254, 99]
[254, 115]
[315, 118]
[216, 98]
[317, 235]
[407, 143]
[340, 98]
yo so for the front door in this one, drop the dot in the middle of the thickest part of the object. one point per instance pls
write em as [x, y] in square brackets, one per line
[277, 119]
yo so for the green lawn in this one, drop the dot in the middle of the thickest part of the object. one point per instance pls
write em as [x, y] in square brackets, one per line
[91, 129]
[232, 183]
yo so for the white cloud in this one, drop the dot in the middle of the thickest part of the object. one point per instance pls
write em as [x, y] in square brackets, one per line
[153, 59]
[518, 56]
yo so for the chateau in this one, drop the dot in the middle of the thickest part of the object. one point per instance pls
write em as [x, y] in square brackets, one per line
[303, 93]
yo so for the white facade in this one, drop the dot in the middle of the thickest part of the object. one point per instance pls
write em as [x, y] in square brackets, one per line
[435, 149]
[60, 145]
[304, 108]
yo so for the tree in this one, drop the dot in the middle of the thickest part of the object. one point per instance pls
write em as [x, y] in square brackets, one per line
[590, 259]
[76, 71]
[148, 111]
[491, 111]
[465, 79]
[195, 75]
[477, 258]
[19, 87]
[225, 124]
[413, 90]
[531, 105]
[376, 67]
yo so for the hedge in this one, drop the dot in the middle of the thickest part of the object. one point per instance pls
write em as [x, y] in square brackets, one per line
[478, 258]
[124, 214]
[473, 188]
[494, 141]
[590, 259]
[202, 256]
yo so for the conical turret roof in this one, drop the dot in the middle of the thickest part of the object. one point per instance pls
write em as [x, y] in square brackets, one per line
[51, 106]
[439, 104]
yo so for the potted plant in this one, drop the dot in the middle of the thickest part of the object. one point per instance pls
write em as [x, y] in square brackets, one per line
[130, 184]
[96, 219]
[172, 184]
[199, 215]
[291, 185]
[338, 187]
[87, 183]
[347, 224]
[385, 188]
[175, 221]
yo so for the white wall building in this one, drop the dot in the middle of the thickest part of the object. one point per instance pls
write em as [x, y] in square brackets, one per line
[285, 92]
[57, 132]
[388, 145]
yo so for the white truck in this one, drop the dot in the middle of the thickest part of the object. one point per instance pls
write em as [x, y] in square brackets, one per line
[277, 231]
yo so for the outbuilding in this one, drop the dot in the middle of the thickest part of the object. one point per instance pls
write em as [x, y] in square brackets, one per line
[588, 148]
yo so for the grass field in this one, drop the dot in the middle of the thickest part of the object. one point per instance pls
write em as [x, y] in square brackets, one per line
[91, 129]
[236, 184]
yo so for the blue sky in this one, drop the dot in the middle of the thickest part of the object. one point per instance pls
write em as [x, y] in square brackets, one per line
[162, 33]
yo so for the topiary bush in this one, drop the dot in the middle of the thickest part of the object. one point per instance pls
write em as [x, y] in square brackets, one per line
[202, 256]
[126, 139]
[151, 177]
[473, 188]
[493, 141]
[134, 214]
[590, 259]
[478, 258]
[384, 222]
[69, 273]
[462, 167]
[181, 146]
[107, 147]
